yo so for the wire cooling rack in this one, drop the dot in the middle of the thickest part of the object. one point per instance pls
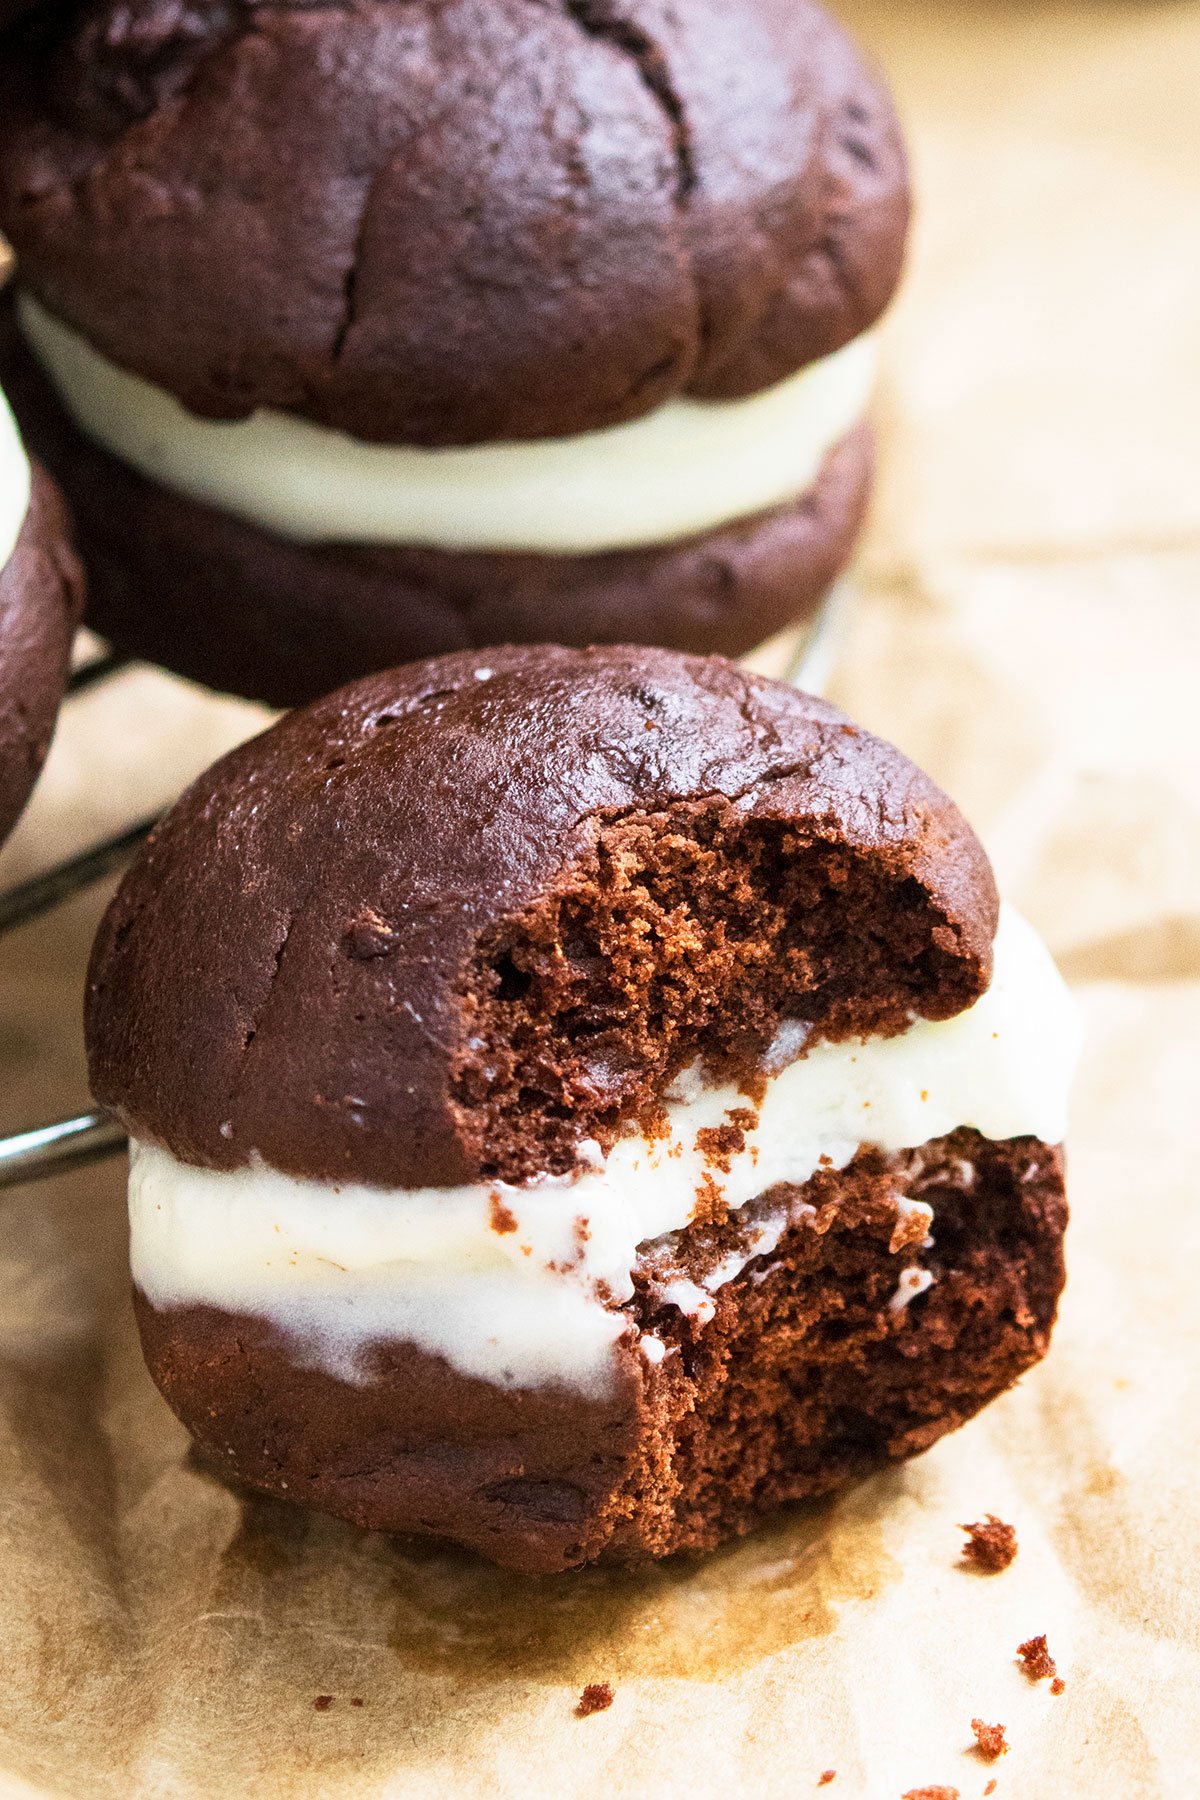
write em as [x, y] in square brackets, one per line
[91, 1136]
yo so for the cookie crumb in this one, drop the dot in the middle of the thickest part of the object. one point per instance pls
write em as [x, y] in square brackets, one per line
[1057, 1685]
[991, 1544]
[826, 1776]
[323, 1702]
[990, 1741]
[711, 1207]
[596, 1697]
[356, 1702]
[501, 1218]
[931, 1793]
[1034, 1653]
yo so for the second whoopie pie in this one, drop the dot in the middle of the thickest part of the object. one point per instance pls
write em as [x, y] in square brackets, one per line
[541, 321]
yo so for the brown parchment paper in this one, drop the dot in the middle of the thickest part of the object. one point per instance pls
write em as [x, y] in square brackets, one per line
[1028, 629]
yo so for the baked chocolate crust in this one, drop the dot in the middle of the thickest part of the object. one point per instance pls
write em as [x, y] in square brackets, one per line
[452, 221]
[806, 1378]
[450, 921]
[41, 599]
[179, 583]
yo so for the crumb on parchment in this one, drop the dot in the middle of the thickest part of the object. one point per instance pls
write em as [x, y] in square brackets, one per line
[596, 1697]
[991, 1544]
[990, 1741]
[1034, 1653]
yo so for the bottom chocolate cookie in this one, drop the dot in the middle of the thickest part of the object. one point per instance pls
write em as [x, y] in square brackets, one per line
[227, 603]
[899, 1296]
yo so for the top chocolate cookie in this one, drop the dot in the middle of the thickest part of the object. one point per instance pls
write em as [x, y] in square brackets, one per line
[452, 221]
[465, 918]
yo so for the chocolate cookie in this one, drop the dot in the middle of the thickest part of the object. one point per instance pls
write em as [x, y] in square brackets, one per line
[41, 598]
[579, 1113]
[453, 223]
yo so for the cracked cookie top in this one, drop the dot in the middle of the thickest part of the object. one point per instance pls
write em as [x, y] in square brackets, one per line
[470, 919]
[451, 221]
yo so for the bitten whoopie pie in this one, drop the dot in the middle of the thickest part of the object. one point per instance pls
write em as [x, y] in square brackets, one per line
[580, 1101]
[371, 331]
[41, 598]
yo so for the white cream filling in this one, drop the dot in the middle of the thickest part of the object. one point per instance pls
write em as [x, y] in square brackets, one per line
[15, 479]
[688, 467]
[336, 1268]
